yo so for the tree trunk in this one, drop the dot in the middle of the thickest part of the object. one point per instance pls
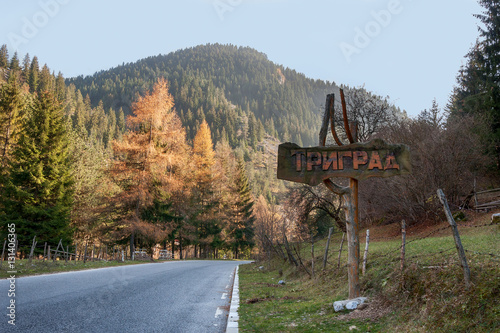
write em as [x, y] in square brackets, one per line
[180, 246]
[132, 247]
[289, 252]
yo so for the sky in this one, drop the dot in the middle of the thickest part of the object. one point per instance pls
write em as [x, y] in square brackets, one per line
[408, 50]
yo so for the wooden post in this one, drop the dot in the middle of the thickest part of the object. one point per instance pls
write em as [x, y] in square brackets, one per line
[325, 257]
[93, 251]
[366, 250]
[312, 256]
[48, 253]
[456, 235]
[57, 249]
[352, 239]
[33, 244]
[340, 250]
[67, 253]
[45, 251]
[403, 244]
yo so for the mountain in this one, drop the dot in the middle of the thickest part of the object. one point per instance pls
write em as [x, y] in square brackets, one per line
[238, 90]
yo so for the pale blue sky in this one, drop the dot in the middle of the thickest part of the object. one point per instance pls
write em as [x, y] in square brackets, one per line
[409, 50]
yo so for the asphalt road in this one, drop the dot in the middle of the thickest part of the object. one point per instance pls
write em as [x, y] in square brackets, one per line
[180, 296]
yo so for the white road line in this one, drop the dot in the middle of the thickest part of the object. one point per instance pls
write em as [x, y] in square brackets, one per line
[224, 296]
[219, 312]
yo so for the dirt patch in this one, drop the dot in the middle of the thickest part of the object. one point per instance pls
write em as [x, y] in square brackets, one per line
[273, 285]
[372, 311]
[257, 300]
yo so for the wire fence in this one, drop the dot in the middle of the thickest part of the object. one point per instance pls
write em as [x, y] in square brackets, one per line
[435, 249]
[85, 251]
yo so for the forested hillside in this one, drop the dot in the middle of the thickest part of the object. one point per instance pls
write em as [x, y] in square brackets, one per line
[233, 88]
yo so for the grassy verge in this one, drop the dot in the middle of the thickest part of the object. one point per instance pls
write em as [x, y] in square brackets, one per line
[23, 268]
[428, 296]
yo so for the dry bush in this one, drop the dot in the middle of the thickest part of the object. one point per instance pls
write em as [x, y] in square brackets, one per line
[446, 156]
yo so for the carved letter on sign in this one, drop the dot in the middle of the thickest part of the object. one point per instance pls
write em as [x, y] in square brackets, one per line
[358, 160]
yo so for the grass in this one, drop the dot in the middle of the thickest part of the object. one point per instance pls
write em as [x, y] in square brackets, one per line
[429, 296]
[37, 267]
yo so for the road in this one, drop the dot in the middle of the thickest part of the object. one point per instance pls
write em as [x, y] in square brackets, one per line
[177, 296]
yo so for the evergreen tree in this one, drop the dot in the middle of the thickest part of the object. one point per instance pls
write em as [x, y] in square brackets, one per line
[242, 230]
[11, 106]
[38, 192]
[33, 75]
[47, 81]
[4, 57]
[14, 62]
[60, 87]
[478, 90]
[26, 67]
[120, 122]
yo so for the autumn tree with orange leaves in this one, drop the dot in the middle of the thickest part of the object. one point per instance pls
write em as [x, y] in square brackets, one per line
[150, 166]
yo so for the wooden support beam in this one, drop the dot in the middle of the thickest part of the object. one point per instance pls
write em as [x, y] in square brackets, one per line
[456, 235]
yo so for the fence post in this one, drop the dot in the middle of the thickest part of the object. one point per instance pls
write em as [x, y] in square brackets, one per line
[456, 235]
[403, 244]
[33, 244]
[327, 246]
[366, 250]
[340, 250]
[48, 253]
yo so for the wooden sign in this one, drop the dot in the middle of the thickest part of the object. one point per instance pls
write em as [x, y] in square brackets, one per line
[312, 165]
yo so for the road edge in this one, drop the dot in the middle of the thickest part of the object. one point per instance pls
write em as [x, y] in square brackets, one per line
[233, 317]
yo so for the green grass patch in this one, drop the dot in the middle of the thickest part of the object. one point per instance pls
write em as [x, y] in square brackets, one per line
[37, 267]
[428, 296]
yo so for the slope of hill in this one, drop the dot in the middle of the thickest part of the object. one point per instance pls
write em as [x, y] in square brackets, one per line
[237, 90]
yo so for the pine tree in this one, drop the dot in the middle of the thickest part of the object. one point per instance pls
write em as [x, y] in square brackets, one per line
[204, 199]
[11, 106]
[120, 122]
[33, 75]
[26, 67]
[60, 87]
[4, 57]
[38, 192]
[47, 81]
[204, 156]
[14, 63]
[478, 89]
[242, 230]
